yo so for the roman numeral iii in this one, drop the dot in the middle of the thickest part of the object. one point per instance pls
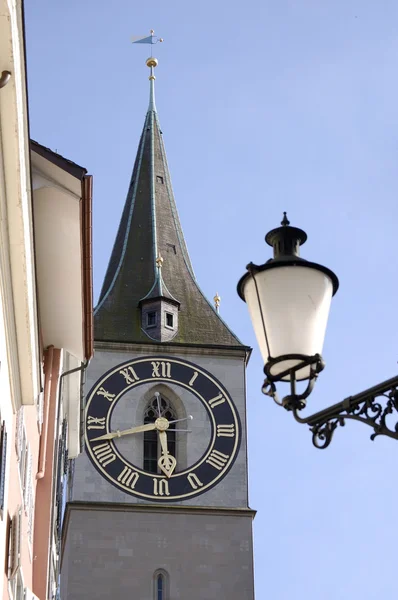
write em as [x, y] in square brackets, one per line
[225, 430]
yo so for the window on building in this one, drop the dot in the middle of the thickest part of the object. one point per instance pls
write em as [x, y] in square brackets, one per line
[14, 556]
[17, 587]
[159, 406]
[169, 320]
[159, 179]
[160, 587]
[21, 446]
[3, 462]
[62, 472]
[151, 319]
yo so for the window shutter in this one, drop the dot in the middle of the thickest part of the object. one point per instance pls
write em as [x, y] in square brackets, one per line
[27, 478]
[15, 543]
[19, 433]
[3, 463]
[30, 499]
[40, 411]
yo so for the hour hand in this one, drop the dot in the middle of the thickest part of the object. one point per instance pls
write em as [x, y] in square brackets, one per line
[114, 434]
[166, 462]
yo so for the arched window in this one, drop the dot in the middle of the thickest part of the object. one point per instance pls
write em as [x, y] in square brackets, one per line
[161, 585]
[159, 406]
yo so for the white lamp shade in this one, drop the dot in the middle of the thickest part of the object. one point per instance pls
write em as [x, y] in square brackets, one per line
[290, 309]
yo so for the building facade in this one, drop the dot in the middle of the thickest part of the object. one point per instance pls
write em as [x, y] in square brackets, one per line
[45, 329]
[158, 503]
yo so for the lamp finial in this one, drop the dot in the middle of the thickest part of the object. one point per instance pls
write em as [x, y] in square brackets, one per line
[285, 221]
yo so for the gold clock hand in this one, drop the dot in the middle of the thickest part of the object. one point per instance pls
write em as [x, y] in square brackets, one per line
[163, 442]
[114, 434]
[166, 462]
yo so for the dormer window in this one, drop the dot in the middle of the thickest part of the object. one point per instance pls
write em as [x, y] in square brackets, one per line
[159, 318]
[151, 319]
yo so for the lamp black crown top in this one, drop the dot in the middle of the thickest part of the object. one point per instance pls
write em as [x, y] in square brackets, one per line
[286, 240]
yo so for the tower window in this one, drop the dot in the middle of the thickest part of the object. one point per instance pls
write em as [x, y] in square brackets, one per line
[160, 587]
[171, 248]
[151, 319]
[169, 320]
[155, 409]
[159, 179]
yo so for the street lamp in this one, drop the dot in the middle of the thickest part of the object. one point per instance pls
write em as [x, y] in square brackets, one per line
[289, 300]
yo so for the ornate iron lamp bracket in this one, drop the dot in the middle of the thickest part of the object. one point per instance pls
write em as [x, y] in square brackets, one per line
[371, 407]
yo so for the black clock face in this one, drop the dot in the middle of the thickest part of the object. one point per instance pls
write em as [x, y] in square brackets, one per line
[126, 472]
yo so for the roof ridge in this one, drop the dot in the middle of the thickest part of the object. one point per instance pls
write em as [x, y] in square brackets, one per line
[104, 296]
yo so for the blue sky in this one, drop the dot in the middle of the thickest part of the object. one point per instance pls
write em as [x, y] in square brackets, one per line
[265, 106]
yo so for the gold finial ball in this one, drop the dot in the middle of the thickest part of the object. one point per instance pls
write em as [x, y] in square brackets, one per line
[152, 62]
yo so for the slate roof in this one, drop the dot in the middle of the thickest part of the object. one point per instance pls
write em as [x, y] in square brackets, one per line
[150, 226]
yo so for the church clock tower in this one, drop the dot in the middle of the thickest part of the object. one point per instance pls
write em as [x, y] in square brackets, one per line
[158, 503]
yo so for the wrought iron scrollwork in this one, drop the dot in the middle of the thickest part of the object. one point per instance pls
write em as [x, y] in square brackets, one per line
[371, 407]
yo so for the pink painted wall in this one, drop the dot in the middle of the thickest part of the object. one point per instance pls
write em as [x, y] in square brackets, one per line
[44, 488]
[35, 556]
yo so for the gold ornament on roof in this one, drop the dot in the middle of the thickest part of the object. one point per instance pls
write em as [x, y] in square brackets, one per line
[159, 261]
[217, 300]
[152, 62]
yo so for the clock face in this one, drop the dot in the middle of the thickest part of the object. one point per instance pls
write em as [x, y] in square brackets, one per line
[115, 441]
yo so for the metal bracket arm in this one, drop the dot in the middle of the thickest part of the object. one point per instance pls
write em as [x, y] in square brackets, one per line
[371, 407]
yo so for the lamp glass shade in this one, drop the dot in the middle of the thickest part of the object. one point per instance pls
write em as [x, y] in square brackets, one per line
[289, 307]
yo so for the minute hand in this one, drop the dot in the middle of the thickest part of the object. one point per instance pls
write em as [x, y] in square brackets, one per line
[114, 434]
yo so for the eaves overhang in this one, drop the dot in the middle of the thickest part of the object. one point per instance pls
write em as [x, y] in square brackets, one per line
[62, 193]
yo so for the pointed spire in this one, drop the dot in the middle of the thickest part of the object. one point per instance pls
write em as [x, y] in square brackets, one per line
[150, 270]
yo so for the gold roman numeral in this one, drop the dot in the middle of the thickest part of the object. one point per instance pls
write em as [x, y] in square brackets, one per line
[225, 430]
[107, 395]
[194, 376]
[194, 481]
[95, 422]
[130, 375]
[217, 459]
[104, 453]
[216, 401]
[161, 369]
[128, 477]
[160, 487]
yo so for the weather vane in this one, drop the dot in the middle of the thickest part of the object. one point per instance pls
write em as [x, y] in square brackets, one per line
[146, 39]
